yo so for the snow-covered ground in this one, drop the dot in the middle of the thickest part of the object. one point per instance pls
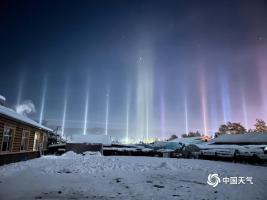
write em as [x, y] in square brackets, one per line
[73, 176]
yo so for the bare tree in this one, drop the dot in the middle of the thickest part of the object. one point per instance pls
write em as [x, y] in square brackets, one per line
[260, 126]
[231, 128]
[192, 134]
[172, 137]
[236, 128]
[223, 129]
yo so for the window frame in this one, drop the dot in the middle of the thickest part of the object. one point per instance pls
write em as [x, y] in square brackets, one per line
[6, 126]
[36, 141]
[45, 141]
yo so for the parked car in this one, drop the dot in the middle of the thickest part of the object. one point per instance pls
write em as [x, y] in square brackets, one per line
[252, 154]
[217, 151]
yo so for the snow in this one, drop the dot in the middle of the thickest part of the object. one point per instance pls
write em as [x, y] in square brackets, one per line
[243, 144]
[90, 138]
[173, 145]
[249, 138]
[158, 144]
[127, 149]
[215, 146]
[14, 115]
[188, 140]
[165, 150]
[76, 176]
[57, 145]
[251, 149]
[71, 154]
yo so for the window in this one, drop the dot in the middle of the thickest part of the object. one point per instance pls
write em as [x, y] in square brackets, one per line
[7, 138]
[37, 141]
[24, 140]
[44, 141]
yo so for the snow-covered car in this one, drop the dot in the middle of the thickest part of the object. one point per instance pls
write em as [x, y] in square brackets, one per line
[251, 153]
[226, 153]
[207, 153]
[190, 151]
[254, 154]
[217, 153]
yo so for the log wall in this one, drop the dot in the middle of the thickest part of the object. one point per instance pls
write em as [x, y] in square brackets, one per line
[17, 136]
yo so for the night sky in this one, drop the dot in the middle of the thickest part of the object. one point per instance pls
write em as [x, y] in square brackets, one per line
[172, 66]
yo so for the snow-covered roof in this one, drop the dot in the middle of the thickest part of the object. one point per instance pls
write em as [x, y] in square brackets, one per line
[188, 140]
[16, 116]
[249, 138]
[90, 138]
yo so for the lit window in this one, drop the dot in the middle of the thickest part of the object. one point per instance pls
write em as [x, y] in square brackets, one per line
[37, 141]
[7, 139]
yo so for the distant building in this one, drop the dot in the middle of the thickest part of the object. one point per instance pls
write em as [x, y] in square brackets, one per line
[241, 139]
[90, 139]
[81, 143]
[21, 138]
[191, 140]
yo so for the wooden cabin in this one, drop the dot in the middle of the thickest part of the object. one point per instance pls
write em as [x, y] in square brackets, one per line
[21, 138]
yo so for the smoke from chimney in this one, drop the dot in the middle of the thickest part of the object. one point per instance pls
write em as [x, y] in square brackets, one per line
[27, 107]
[2, 100]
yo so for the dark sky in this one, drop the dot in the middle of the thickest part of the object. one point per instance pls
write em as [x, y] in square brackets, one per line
[157, 58]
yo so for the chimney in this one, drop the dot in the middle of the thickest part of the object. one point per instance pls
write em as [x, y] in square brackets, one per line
[2, 100]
